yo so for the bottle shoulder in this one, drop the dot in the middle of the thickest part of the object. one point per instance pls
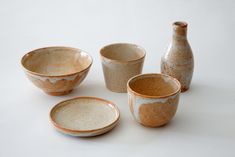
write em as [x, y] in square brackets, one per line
[179, 54]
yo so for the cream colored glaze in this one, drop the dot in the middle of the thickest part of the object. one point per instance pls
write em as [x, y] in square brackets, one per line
[153, 90]
[138, 101]
[56, 70]
[58, 85]
[55, 79]
[84, 116]
[120, 62]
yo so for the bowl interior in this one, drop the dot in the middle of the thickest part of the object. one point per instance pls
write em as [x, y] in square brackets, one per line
[122, 52]
[154, 85]
[54, 61]
[84, 113]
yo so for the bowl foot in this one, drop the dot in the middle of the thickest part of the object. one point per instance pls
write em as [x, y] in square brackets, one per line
[59, 93]
[184, 89]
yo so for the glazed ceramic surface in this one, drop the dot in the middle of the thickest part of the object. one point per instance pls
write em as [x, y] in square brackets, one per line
[120, 62]
[153, 98]
[85, 116]
[56, 70]
[178, 61]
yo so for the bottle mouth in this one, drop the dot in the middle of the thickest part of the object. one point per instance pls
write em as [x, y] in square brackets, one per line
[180, 24]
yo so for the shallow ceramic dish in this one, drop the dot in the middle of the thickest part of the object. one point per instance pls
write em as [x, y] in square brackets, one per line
[85, 116]
[153, 98]
[56, 70]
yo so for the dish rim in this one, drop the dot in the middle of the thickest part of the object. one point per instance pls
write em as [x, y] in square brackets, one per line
[54, 108]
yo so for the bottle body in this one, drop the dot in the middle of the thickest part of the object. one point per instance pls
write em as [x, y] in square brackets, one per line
[178, 61]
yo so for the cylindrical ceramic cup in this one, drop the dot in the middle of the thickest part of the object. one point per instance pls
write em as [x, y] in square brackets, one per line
[120, 62]
[153, 98]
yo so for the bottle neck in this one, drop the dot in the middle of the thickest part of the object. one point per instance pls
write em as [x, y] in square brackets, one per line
[179, 31]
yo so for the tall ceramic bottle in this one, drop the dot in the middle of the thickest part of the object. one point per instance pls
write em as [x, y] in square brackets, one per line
[178, 61]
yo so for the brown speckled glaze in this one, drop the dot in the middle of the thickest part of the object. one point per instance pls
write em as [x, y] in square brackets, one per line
[178, 61]
[56, 70]
[120, 62]
[153, 98]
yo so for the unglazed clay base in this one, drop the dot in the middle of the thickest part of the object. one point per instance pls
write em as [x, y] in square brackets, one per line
[85, 116]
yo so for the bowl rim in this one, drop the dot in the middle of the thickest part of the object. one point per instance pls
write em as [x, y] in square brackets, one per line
[54, 108]
[122, 61]
[53, 47]
[153, 96]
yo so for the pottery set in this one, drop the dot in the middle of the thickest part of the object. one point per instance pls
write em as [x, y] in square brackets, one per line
[153, 98]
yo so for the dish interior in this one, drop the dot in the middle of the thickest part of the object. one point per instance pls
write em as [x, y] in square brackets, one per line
[84, 114]
[56, 61]
[122, 52]
[154, 85]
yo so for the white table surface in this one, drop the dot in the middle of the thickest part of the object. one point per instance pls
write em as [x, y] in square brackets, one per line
[204, 124]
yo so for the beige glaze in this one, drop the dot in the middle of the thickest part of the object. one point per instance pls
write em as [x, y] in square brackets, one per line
[120, 62]
[153, 98]
[178, 61]
[85, 116]
[56, 70]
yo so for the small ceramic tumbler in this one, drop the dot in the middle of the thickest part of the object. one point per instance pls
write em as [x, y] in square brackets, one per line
[153, 98]
[120, 62]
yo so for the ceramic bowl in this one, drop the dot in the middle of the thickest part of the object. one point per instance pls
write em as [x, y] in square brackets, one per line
[153, 98]
[84, 116]
[56, 70]
[120, 62]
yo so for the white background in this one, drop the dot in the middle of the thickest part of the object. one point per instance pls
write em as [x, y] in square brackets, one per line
[204, 124]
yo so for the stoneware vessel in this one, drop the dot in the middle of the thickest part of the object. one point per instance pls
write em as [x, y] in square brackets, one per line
[178, 61]
[120, 62]
[153, 98]
[84, 116]
[56, 70]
